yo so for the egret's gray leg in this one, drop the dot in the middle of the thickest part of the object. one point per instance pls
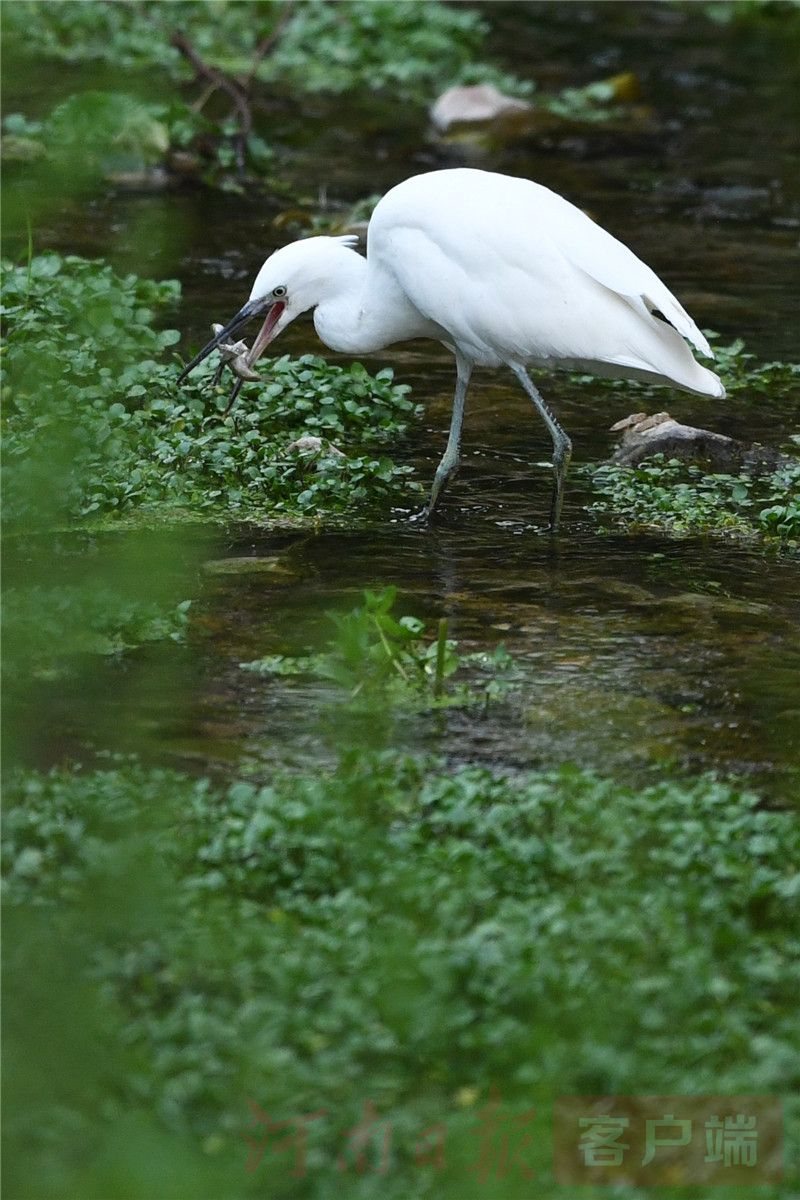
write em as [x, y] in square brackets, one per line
[450, 459]
[237, 387]
[562, 446]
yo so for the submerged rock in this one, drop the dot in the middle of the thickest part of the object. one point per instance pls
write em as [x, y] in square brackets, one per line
[275, 566]
[644, 436]
[143, 179]
[719, 606]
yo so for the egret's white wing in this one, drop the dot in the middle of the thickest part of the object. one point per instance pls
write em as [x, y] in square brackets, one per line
[590, 248]
[515, 272]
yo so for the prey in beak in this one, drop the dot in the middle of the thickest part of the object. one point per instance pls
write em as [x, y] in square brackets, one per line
[233, 353]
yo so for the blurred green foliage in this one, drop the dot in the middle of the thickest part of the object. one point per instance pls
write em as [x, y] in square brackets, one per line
[97, 136]
[331, 47]
[85, 385]
[46, 627]
[781, 14]
[390, 932]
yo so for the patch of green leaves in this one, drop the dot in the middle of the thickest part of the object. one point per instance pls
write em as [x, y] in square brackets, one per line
[406, 48]
[683, 499]
[601, 100]
[91, 404]
[781, 17]
[398, 932]
[376, 656]
[312, 221]
[742, 372]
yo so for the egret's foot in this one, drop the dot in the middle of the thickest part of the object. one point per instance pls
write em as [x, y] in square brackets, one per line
[440, 517]
[561, 461]
[445, 474]
[555, 510]
[237, 387]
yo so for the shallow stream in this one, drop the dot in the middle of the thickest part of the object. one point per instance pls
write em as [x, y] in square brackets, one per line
[637, 651]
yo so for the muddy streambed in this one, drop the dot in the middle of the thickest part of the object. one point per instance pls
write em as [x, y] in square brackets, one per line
[637, 653]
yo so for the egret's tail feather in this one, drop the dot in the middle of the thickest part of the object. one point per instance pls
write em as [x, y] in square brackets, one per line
[654, 349]
[678, 317]
[684, 372]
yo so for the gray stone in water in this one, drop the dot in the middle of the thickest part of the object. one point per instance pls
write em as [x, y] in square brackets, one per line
[273, 565]
[476, 105]
[644, 436]
[668, 437]
[310, 444]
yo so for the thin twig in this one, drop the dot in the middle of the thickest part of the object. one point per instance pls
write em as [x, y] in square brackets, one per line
[269, 42]
[238, 90]
[204, 97]
[205, 70]
[222, 81]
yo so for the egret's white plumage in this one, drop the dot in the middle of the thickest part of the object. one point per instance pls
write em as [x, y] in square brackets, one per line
[501, 270]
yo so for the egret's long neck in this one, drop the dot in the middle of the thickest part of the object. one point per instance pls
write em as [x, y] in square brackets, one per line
[364, 310]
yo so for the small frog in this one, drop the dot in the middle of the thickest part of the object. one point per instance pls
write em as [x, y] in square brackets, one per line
[234, 355]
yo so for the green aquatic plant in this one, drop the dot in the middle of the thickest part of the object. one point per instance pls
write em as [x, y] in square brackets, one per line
[781, 17]
[683, 499]
[393, 930]
[378, 656]
[742, 372]
[311, 220]
[91, 402]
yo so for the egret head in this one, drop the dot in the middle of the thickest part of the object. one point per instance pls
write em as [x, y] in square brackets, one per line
[292, 280]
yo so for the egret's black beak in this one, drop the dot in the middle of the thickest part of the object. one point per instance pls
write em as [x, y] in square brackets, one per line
[253, 308]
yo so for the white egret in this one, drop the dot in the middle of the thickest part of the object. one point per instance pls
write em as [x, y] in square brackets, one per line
[503, 272]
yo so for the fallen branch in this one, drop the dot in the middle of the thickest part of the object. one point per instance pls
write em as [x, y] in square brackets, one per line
[268, 43]
[218, 80]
